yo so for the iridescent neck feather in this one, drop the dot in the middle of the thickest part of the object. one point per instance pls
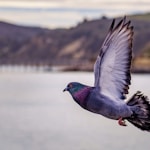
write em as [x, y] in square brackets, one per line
[81, 95]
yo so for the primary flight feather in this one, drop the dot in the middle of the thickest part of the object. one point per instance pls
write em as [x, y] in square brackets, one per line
[112, 80]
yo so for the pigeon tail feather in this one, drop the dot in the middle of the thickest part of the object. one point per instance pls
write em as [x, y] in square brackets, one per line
[140, 105]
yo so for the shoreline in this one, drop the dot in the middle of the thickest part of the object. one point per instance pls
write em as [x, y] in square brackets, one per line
[46, 68]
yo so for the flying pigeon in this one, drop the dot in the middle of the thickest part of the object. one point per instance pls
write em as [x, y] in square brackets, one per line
[112, 80]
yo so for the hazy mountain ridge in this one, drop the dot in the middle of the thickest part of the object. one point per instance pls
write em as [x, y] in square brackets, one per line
[74, 47]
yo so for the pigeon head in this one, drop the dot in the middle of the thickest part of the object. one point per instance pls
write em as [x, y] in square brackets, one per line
[78, 91]
[73, 87]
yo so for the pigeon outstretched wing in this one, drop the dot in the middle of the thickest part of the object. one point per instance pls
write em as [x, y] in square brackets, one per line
[112, 67]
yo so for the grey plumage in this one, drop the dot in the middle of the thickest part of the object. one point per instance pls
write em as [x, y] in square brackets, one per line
[105, 106]
[112, 80]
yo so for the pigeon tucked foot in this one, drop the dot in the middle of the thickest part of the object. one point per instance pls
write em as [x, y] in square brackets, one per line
[121, 122]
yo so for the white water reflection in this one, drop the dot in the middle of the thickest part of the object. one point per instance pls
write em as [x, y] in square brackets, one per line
[36, 115]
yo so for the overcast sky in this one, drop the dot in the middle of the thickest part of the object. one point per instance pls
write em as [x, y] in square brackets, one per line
[63, 13]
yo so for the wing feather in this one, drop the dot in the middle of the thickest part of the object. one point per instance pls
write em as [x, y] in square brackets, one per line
[112, 67]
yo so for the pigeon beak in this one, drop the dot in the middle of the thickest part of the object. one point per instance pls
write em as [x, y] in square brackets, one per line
[66, 89]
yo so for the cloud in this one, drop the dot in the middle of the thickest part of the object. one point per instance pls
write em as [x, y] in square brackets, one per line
[70, 3]
[43, 19]
[55, 13]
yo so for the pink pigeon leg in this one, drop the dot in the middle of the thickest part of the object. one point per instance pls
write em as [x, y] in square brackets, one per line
[121, 122]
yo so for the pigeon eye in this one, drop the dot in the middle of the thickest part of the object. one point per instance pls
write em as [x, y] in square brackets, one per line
[70, 85]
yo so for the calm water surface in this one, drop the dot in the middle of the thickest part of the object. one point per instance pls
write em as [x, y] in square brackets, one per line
[36, 115]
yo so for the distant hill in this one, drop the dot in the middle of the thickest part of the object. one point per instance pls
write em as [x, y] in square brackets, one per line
[74, 47]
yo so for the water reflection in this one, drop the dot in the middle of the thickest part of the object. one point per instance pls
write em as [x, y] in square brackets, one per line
[36, 114]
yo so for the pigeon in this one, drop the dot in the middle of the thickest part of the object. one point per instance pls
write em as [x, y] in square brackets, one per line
[112, 71]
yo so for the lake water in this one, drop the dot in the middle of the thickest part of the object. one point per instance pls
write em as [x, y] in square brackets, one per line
[36, 115]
